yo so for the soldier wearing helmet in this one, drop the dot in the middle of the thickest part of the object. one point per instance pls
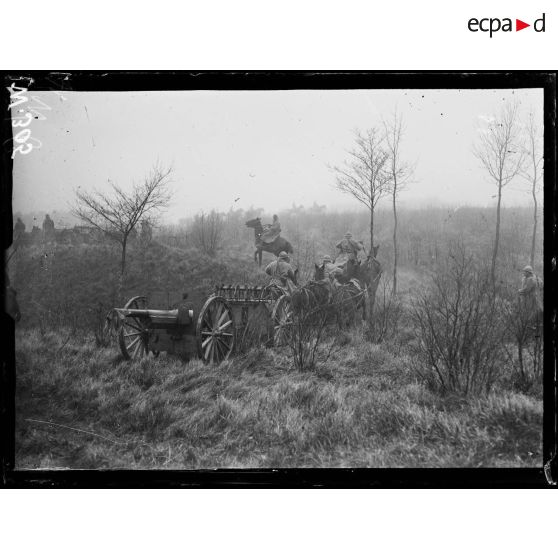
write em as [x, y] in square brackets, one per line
[348, 249]
[19, 232]
[271, 232]
[529, 294]
[281, 272]
[48, 228]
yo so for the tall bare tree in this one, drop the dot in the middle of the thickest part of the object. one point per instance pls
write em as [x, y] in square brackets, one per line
[400, 172]
[117, 212]
[533, 173]
[365, 175]
[500, 153]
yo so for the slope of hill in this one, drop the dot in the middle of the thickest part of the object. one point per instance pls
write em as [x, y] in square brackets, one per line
[79, 406]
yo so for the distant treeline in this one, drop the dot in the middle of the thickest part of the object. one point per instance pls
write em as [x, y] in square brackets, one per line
[314, 231]
[422, 235]
[73, 283]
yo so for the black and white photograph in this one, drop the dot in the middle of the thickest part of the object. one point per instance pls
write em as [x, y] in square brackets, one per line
[277, 278]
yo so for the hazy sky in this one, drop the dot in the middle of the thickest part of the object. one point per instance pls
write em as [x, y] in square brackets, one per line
[269, 149]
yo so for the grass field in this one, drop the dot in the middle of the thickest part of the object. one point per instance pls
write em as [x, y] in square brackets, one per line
[362, 408]
[372, 404]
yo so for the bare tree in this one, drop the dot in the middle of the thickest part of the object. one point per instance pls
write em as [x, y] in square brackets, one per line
[533, 173]
[117, 213]
[207, 232]
[399, 172]
[500, 154]
[365, 176]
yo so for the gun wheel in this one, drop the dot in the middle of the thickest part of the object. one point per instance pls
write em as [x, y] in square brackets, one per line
[215, 331]
[133, 335]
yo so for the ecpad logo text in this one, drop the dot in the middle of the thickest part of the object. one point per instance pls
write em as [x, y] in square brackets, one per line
[492, 25]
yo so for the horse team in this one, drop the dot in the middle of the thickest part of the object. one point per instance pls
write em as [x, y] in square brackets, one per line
[340, 290]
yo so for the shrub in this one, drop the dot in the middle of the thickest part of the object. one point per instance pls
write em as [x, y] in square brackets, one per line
[460, 329]
[385, 320]
[307, 330]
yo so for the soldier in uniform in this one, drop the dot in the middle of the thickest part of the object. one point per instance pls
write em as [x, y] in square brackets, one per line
[281, 272]
[19, 230]
[348, 250]
[48, 228]
[272, 231]
[529, 294]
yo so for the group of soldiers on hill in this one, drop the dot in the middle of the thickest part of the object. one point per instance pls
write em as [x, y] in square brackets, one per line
[283, 274]
[85, 234]
[47, 230]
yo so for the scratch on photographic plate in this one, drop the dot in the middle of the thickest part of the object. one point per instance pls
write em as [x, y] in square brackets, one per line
[87, 114]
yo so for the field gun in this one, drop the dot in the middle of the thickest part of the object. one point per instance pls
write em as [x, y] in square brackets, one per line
[234, 317]
[143, 330]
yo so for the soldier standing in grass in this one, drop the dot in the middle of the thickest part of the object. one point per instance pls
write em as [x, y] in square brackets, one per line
[48, 228]
[19, 231]
[281, 272]
[529, 295]
[19, 228]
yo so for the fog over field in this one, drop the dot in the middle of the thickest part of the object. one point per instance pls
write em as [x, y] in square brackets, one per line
[266, 149]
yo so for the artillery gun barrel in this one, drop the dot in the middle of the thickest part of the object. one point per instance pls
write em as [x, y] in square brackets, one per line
[158, 317]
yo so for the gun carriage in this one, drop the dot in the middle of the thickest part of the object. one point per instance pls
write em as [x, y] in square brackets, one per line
[233, 318]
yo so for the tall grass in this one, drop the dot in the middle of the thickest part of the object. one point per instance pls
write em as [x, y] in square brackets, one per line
[362, 408]
[432, 381]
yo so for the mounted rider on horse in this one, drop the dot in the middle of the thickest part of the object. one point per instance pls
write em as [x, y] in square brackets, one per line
[267, 238]
[347, 257]
[271, 231]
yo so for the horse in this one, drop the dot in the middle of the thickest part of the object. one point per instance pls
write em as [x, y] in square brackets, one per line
[348, 295]
[358, 282]
[312, 302]
[275, 247]
[323, 301]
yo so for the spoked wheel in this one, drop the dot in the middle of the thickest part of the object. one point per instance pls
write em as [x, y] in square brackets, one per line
[134, 332]
[282, 318]
[215, 330]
